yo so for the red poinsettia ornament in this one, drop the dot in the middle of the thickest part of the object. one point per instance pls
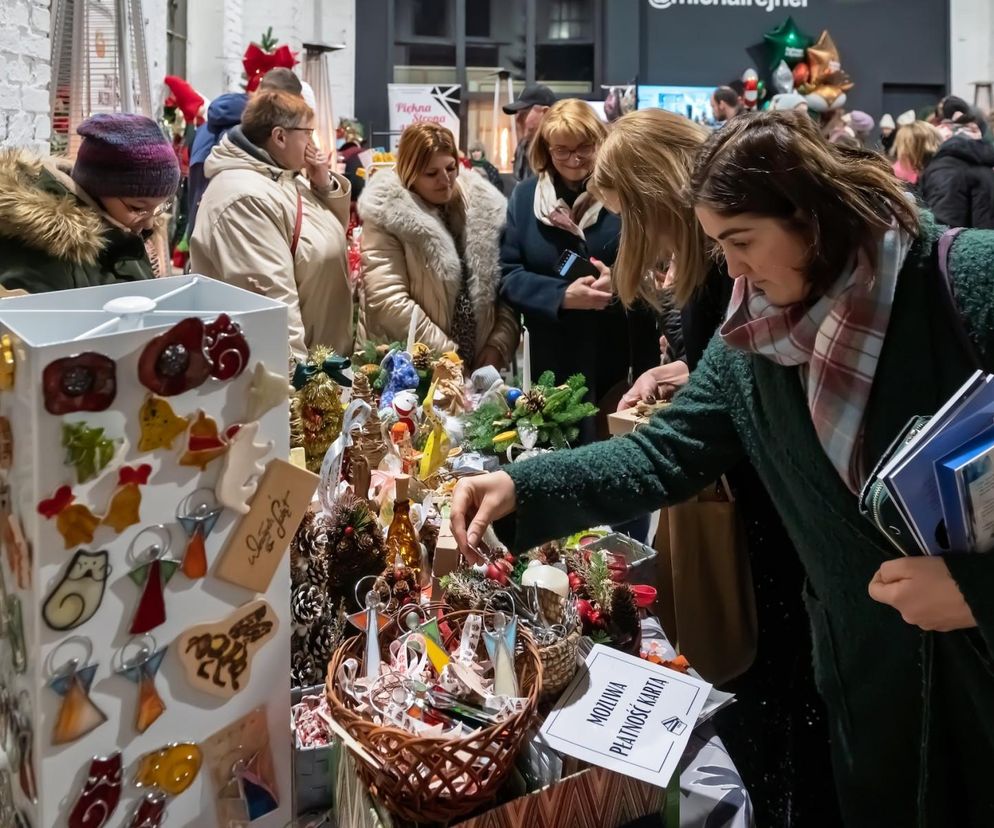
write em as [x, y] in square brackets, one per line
[84, 382]
[175, 361]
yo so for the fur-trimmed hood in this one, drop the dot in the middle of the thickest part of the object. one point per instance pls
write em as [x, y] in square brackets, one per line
[386, 203]
[41, 207]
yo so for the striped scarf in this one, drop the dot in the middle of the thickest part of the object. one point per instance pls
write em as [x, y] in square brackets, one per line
[837, 341]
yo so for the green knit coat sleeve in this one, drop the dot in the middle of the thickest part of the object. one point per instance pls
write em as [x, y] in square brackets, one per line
[679, 452]
[971, 270]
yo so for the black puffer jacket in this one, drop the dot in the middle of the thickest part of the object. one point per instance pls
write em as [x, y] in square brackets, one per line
[958, 184]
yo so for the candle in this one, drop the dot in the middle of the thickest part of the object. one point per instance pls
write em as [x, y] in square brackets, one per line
[526, 369]
[412, 331]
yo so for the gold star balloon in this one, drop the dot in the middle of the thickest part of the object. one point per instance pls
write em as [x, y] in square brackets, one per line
[823, 58]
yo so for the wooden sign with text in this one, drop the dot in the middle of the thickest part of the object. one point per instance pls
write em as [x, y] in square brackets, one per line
[258, 545]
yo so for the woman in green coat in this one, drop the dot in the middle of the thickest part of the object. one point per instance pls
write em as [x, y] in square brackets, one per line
[70, 225]
[836, 337]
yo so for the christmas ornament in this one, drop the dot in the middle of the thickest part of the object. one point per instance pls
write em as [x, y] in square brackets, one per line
[316, 414]
[78, 595]
[175, 361]
[77, 715]
[159, 424]
[85, 382]
[259, 58]
[101, 793]
[198, 521]
[152, 576]
[405, 407]
[258, 795]
[266, 391]
[171, 769]
[226, 348]
[368, 441]
[125, 502]
[449, 384]
[88, 450]
[204, 442]
[372, 622]
[401, 376]
[7, 363]
[786, 43]
[241, 470]
[500, 647]
[150, 810]
[140, 669]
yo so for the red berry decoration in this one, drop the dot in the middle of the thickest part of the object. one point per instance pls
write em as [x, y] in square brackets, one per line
[226, 348]
[349, 531]
[495, 573]
[85, 382]
[175, 361]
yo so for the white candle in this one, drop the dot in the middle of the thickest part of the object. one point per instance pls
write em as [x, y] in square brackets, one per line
[412, 331]
[526, 369]
[547, 577]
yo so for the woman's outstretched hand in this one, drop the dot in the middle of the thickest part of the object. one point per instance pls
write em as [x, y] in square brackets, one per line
[476, 503]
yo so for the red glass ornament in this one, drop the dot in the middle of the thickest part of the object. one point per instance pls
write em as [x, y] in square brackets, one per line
[175, 361]
[84, 382]
[150, 811]
[100, 795]
[226, 348]
[151, 611]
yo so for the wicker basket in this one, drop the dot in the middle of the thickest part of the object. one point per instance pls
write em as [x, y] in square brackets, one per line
[431, 779]
[559, 664]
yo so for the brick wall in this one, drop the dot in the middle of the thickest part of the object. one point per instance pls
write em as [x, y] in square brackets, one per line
[25, 73]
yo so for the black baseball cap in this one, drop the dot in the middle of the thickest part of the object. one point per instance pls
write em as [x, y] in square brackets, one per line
[534, 95]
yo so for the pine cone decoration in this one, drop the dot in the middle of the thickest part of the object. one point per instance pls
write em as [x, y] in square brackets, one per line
[326, 635]
[625, 622]
[355, 548]
[303, 671]
[533, 401]
[308, 551]
[306, 604]
[421, 358]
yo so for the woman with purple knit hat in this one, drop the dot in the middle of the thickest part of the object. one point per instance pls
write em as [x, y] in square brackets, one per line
[65, 225]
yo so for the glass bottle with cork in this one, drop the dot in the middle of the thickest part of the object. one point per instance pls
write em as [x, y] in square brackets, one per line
[402, 540]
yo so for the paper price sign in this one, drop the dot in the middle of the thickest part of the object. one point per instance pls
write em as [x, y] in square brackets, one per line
[627, 715]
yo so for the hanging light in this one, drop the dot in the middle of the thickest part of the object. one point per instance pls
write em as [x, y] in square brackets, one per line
[315, 72]
[503, 131]
[99, 64]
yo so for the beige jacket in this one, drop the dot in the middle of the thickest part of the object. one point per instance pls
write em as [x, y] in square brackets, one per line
[410, 258]
[243, 235]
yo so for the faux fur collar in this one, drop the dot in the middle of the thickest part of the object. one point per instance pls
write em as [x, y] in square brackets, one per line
[41, 207]
[386, 203]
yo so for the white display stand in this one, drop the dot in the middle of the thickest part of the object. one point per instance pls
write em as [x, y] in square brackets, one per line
[50, 326]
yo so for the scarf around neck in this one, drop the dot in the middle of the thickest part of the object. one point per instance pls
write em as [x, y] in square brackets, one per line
[837, 341]
[553, 211]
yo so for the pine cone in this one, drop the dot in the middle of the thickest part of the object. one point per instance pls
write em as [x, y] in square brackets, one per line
[533, 401]
[307, 602]
[308, 551]
[303, 672]
[421, 358]
[326, 635]
[624, 611]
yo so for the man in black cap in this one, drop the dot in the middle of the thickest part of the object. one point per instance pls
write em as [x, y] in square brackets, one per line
[528, 111]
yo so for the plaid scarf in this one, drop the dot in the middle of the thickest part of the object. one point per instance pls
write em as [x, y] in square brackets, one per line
[837, 341]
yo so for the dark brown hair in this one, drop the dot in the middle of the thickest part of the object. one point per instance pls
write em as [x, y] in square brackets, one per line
[777, 164]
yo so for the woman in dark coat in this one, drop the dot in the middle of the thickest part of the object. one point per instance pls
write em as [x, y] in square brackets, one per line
[958, 183]
[69, 226]
[902, 645]
[576, 324]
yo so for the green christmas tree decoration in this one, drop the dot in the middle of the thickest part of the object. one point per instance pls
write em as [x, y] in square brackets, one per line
[554, 410]
[88, 449]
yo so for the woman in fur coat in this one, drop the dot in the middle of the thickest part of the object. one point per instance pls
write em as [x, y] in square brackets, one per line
[430, 242]
[84, 224]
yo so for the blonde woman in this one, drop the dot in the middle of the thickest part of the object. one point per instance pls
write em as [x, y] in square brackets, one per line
[575, 320]
[643, 173]
[914, 146]
[430, 245]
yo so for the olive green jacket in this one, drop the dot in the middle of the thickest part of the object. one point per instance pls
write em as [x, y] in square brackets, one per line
[53, 236]
[911, 713]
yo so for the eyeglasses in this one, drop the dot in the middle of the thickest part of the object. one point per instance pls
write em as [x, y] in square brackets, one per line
[582, 152]
[142, 214]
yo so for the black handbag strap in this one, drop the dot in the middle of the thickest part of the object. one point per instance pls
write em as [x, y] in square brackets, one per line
[948, 296]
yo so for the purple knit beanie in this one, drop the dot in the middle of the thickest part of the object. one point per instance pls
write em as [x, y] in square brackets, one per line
[125, 155]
